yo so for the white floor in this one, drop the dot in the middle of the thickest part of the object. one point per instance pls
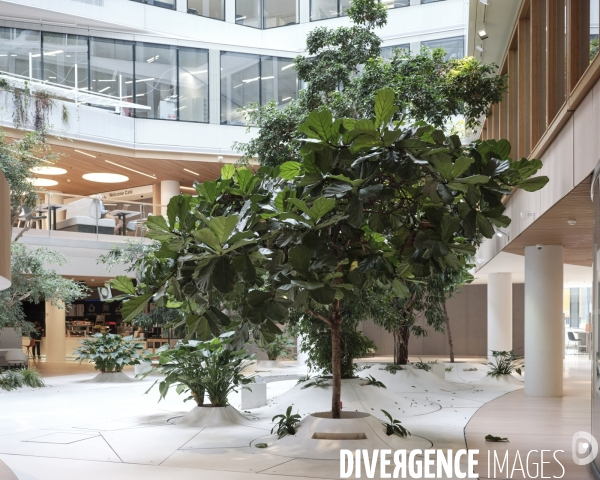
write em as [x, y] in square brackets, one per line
[72, 430]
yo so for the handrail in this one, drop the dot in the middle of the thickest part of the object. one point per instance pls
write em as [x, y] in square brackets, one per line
[69, 195]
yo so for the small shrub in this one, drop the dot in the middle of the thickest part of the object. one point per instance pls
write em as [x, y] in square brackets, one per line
[393, 426]
[504, 363]
[421, 365]
[306, 378]
[371, 380]
[492, 438]
[449, 369]
[13, 379]
[287, 423]
[280, 347]
[392, 368]
[109, 352]
[317, 382]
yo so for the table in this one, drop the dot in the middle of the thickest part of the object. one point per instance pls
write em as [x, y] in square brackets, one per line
[579, 332]
[123, 215]
[53, 208]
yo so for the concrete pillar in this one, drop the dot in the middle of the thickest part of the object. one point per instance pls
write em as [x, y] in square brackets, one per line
[499, 312]
[168, 190]
[543, 321]
[56, 342]
[5, 233]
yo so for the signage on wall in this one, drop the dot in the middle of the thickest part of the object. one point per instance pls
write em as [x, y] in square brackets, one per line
[136, 193]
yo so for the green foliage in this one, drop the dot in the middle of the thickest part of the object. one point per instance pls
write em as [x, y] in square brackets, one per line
[17, 158]
[13, 379]
[393, 426]
[371, 380]
[287, 424]
[392, 368]
[159, 316]
[280, 347]
[449, 369]
[35, 281]
[203, 368]
[316, 382]
[420, 365]
[492, 438]
[109, 352]
[504, 363]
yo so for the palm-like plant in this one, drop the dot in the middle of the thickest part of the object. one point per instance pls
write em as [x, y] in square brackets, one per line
[504, 363]
[286, 424]
[203, 368]
[281, 346]
[109, 352]
[393, 426]
[371, 380]
[13, 379]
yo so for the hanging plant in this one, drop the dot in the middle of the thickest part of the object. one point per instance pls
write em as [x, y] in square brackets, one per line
[21, 100]
[43, 106]
[65, 115]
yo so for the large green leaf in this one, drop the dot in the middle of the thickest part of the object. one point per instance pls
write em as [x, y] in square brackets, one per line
[123, 284]
[384, 106]
[157, 223]
[400, 289]
[533, 184]
[320, 207]
[320, 121]
[223, 226]
[290, 170]
[324, 295]
[244, 177]
[227, 171]
[206, 236]
[484, 225]
[134, 306]
[461, 165]
[223, 276]
[299, 258]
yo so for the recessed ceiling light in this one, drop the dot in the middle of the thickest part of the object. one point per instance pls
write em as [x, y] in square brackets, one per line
[83, 153]
[48, 170]
[105, 177]
[43, 182]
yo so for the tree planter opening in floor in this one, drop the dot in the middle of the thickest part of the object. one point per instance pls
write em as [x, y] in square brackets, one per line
[204, 369]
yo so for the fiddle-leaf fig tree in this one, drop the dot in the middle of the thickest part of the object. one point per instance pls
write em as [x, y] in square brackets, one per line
[372, 201]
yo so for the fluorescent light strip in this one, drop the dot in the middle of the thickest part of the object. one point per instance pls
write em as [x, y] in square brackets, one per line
[53, 53]
[268, 78]
[187, 188]
[191, 172]
[287, 66]
[131, 169]
[83, 153]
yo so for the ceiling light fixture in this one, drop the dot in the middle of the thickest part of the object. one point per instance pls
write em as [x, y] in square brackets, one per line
[191, 171]
[105, 177]
[485, 2]
[525, 214]
[43, 182]
[83, 153]
[571, 221]
[480, 48]
[482, 34]
[48, 170]
[501, 234]
[131, 169]
[188, 188]
[56, 52]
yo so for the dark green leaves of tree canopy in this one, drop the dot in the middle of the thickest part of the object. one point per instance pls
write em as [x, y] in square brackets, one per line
[408, 210]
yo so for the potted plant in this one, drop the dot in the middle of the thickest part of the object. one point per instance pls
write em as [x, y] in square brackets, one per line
[110, 353]
[204, 369]
[281, 346]
[24, 377]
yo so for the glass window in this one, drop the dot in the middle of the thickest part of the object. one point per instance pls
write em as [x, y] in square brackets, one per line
[280, 12]
[64, 58]
[388, 52]
[344, 6]
[240, 85]
[287, 81]
[395, 3]
[207, 8]
[248, 13]
[159, 3]
[156, 80]
[430, 1]
[15, 47]
[111, 69]
[321, 9]
[454, 47]
[594, 15]
[193, 85]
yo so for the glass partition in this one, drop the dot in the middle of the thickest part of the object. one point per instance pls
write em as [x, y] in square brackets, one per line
[240, 85]
[207, 8]
[388, 52]
[159, 3]
[193, 85]
[395, 3]
[111, 69]
[321, 9]
[15, 46]
[156, 80]
[248, 13]
[454, 47]
[278, 13]
[64, 58]
[344, 5]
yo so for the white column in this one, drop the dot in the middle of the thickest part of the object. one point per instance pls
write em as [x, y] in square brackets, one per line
[543, 321]
[300, 356]
[168, 190]
[499, 312]
[56, 342]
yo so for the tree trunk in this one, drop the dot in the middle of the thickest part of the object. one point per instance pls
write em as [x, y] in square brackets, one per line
[449, 335]
[336, 359]
[401, 338]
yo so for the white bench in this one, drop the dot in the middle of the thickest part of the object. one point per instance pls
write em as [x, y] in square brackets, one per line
[83, 215]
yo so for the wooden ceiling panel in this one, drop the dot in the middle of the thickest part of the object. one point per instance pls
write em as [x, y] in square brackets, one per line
[552, 228]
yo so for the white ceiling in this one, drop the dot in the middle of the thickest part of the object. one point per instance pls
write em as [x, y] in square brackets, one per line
[574, 275]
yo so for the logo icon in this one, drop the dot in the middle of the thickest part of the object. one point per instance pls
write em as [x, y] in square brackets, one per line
[584, 448]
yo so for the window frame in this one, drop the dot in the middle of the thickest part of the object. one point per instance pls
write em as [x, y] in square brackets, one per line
[210, 18]
[262, 19]
[165, 6]
[340, 14]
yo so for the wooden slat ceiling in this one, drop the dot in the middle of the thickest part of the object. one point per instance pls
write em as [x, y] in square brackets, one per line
[78, 164]
[552, 228]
